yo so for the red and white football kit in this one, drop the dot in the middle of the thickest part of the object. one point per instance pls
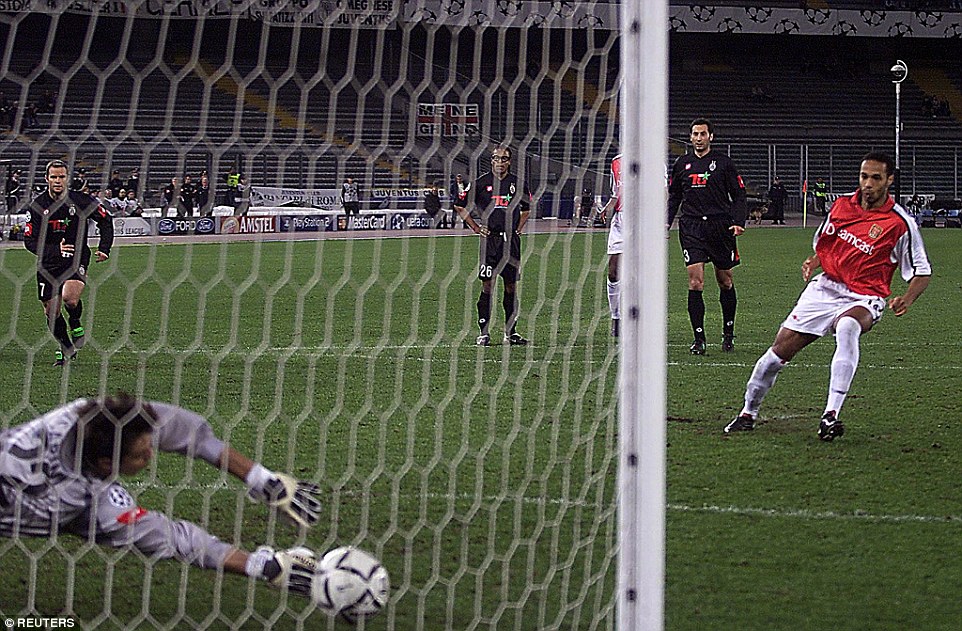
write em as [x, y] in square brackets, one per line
[859, 251]
[616, 240]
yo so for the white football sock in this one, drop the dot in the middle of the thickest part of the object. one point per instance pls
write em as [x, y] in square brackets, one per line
[762, 379]
[844, 362]
[614, 299]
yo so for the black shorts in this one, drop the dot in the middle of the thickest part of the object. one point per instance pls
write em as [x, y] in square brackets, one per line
[708, 240]
[50, 281]
[501, 256]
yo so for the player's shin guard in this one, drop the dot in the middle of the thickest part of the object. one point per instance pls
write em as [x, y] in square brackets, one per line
[484, 312]
[74, 313]
[844, 362]
[614, 299]
[696, 313]
[510, 304]
[763, 378]
[729, 303]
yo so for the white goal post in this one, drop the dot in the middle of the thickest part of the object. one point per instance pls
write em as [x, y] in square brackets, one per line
[643, 372]
[342, 349]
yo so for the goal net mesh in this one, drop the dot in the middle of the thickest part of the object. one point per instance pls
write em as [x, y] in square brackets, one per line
[483, 478]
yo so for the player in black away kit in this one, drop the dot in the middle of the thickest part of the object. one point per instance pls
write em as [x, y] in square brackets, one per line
[57, 233]
[501, 203]
[711, 195]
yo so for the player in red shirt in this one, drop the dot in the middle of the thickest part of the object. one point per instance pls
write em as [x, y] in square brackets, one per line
[859, 245]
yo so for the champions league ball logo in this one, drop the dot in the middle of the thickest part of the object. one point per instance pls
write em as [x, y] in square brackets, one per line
[453, 7]
[900, 29]
[729, 25]
[590, 21]
[534, 20]
[702, 13]
[509, 7]
[873, 18]
[927, 19]
[759, 15]
[786, 26]
[844, 28]
[818, 16]
[563, 8]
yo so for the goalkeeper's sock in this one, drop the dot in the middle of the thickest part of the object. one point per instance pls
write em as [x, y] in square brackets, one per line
[262, 563]
[257, 477]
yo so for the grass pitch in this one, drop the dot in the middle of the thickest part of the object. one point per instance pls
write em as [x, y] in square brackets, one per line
[484, 478]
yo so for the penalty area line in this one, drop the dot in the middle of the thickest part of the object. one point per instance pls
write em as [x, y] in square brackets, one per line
[740, 511]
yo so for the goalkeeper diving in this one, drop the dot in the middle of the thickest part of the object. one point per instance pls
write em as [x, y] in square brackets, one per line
[59, 474]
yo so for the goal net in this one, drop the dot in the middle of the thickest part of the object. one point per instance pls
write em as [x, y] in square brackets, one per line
[338, 347]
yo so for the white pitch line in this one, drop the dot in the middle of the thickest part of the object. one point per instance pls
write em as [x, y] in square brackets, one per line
[358, 352]
[801, 513]
[779, 513]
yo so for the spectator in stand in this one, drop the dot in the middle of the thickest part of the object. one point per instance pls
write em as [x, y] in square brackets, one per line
[821, 196]
[777, 194]
[133, 182]
[118, 202]
[185, 204]
[432, 204]
[167, 195]
[48, 103]
[242, 202]
[134, 208]
[459, 196]
[79, 180]
[13, 189]
[115, 183]
[30, 118]
[204, 203]
[233, 182]
[350, 197]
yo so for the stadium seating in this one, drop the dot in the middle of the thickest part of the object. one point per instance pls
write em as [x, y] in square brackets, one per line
[820, 112]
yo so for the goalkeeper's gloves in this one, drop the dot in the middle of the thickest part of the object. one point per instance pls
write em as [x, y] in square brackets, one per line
[292, 570]
[297, 500]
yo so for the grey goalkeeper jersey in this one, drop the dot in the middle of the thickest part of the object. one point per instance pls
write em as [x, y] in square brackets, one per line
[43, 491]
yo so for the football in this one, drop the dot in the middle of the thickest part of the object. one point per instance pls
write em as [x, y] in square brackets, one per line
[352, 583]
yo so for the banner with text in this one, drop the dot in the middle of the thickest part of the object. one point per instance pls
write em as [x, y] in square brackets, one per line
[449, 120]
[349, 13]
[322, 198]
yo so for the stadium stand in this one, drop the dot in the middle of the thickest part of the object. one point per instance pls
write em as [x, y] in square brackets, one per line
[820, 111]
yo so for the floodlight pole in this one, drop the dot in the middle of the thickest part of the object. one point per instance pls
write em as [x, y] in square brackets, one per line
[900, 71]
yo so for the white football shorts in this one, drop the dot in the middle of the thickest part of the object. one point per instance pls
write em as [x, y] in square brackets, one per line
[823, 301]
[616, 240]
